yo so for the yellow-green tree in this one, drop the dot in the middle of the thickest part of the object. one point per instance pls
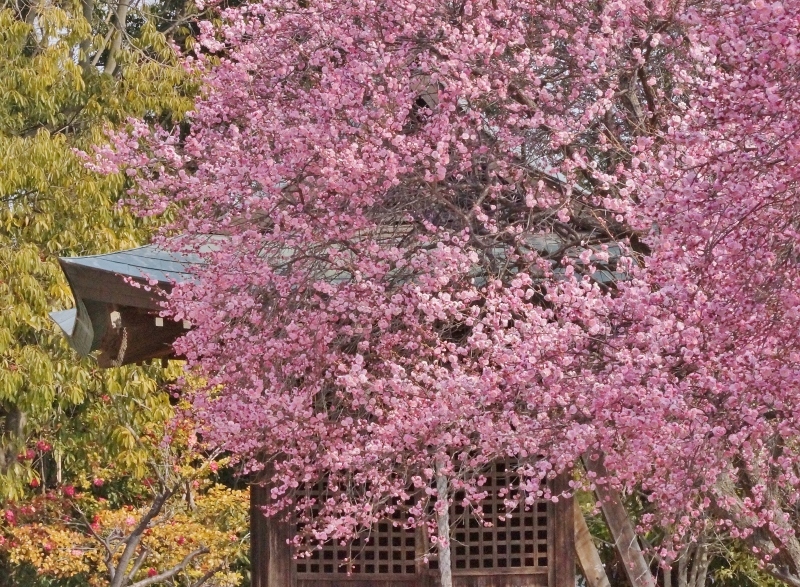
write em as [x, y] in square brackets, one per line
[70, 70]
[81, 448]
[189, 531]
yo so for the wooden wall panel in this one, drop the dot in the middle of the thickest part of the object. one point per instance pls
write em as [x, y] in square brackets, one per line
[372, 582]
[515, 542]
[498, 580]
[273, 565]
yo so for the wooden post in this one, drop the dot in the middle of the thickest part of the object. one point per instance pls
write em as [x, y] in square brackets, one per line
[270, 555]
[619, 524]
[258, 537]
[588, 557]
[562, 561]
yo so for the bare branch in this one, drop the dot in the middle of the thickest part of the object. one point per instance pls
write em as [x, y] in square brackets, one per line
[211, 572]
[132, 542]
[105, 542]
[187, 560]
[138, 564]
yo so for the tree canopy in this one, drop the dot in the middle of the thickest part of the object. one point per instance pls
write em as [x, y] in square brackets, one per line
[455, 232]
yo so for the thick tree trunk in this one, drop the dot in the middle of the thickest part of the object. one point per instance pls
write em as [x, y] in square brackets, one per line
[702, 562]
[443, 528]
[12, 438]
[87, 7]
[683, 580]
[786, 565]
[619, 524]
[120, 19]
[693, 565]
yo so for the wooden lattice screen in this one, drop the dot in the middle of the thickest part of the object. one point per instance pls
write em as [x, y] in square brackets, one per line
[514, 542]
[386, 550]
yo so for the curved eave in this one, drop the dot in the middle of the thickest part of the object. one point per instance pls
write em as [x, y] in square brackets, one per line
[120, 282]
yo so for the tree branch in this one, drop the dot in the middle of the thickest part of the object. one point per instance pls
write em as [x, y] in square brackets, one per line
[173, 571]
[87, 7]
[133, 540]
[619, 524]
[782, 575]
[112, 571]
[138, 564]
[210, 573]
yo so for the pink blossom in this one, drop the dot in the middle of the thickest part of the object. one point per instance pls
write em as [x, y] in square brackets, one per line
[523, 236]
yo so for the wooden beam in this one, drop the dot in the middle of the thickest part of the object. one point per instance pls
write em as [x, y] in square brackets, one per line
[588, 557]
[626, 542]
[141, 338]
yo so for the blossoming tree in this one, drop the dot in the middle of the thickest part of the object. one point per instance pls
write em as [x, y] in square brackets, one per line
[462, 231]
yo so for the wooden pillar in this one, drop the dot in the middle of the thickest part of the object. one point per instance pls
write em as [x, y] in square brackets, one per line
[270, 555]
[258, 537]
[562, 560]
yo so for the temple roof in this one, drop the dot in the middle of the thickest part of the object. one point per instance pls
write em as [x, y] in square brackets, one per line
[147, 262]
[118, 296]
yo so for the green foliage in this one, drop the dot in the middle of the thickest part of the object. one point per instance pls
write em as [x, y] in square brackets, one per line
[738, 568]
[68, 73]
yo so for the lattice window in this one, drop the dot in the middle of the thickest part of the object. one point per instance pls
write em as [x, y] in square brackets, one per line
[513, 543]
[518, 542]
[386, 549]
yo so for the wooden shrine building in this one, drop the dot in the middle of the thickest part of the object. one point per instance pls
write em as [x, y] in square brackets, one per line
[116, 316]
